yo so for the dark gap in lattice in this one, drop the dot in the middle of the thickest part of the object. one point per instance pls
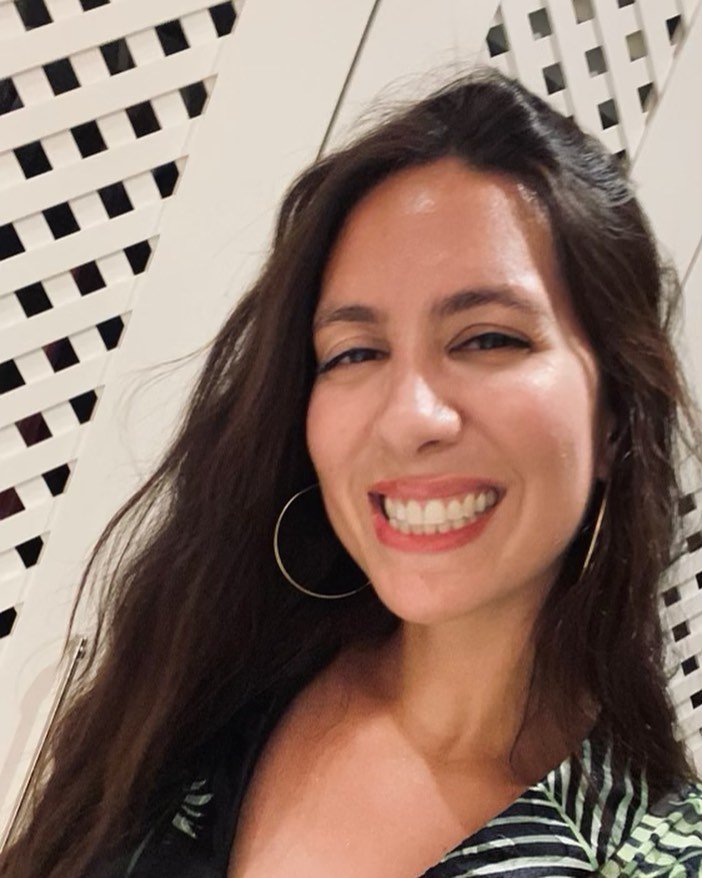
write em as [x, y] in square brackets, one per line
[10, 244]
[33, 13]
[698, 577]
[171, 37]
[33, 429]
[92, 4]
[84, 405]
[10, 376]
[687, 504]
[623, 3]
[694, 542]
[636, 45]
[671, 596]
[166, 177]
[497, 41]
[583, 11]
[647, 95]
[690, 665]
[61, 220]
[696, 699]
[33, 299]
[675, 28]
[10, 503]
[61, 75]
[223, 17]
[7, 621]
[29, 552]
[61, 354]
[540, 24]
[596, 62]
[608, 114]
[115, 199]
[143, 119]
[138, 255]
[88, 139]
[194, 97]
[9, 97]
[680, 631]
[623, 158]
[117, 56]
[88, 278]
[553, 77]
[32, 159]
[56, 479]
[111, 332]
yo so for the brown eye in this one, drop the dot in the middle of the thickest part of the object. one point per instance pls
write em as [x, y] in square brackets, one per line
[354, 355]
[490, 340]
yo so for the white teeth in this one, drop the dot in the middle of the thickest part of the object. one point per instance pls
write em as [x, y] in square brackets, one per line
[437, 515]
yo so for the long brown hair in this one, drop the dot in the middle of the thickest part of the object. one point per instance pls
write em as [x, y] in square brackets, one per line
[195, 616]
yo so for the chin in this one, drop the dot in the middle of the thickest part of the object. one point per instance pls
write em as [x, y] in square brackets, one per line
[419, 604]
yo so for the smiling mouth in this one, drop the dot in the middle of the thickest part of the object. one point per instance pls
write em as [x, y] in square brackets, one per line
[438, 515]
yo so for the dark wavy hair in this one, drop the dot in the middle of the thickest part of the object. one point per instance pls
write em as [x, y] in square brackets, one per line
[196, 619]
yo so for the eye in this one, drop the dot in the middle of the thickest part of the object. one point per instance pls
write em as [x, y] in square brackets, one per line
[354, 355]
[490, 340]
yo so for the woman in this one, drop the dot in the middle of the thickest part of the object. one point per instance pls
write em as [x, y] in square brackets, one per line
[389, 606]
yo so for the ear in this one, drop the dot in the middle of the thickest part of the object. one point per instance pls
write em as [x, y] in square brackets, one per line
[607, 445]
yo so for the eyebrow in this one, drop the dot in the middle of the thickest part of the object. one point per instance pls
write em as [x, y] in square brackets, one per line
[455, 303]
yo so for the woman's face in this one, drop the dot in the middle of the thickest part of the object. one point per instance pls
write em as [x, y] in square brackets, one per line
[456, 383]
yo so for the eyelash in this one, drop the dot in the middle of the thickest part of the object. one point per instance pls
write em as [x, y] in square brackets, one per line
[511, 341]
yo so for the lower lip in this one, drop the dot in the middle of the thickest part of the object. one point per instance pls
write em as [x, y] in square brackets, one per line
[437, 542]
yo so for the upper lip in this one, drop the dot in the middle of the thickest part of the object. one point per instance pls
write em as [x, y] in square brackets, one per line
[424, 488]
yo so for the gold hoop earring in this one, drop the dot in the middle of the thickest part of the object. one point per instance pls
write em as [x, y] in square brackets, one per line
[595, 532]
[283, 570]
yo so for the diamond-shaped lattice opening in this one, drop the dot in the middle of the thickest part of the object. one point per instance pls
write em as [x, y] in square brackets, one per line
[33, 429]
[84, 405]
[680, 631]
[33, 299]
[687, 504]
[9, 96]
[694, 542]
[61, 75]
[115, 199]
[698, 578]
[223, 17]
[61, 354]
[171, 37]
[88, 278]
[596, 62]
[111, 331]
[623, 3]
[143, 119]
[671, 596]
[33, 13]
[540, 24]
[29, 552]
[497, 41]
[10, 376]
[166, 177]
[583, 11]
[690, 665]
[553, 77]
[194, 97]
[92, 4]
[10, 244]
[7, 621]
[636, 45]
[608, 114]
[647, 96]
[61, 220]
[88, 139]
[138, 256]
[696, 699]
[10, 503]
[56, 479]
[32, 159]
[675, 30]
[117, 56]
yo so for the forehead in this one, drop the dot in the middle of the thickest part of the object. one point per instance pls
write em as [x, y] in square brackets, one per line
[429, 231]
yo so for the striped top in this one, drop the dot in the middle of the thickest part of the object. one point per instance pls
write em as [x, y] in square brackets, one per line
[562, 826]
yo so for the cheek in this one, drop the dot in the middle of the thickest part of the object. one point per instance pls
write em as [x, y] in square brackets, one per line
[331, 426]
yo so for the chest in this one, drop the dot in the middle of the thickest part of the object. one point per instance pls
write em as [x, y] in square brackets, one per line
[353, 799]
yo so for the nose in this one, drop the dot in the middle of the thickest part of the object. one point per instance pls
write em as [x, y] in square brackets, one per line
[414, 412]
